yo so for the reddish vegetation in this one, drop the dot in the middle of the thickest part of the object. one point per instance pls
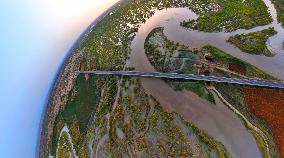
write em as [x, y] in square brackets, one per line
[82, 67]
[93, 67]
[237, 68]
[87, 77]
[268, 104]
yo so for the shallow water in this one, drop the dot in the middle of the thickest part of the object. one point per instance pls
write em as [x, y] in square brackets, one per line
[197, 39]
[217, 121]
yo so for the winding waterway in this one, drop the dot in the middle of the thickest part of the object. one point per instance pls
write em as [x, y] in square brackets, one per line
[217, 121]
[197, 39]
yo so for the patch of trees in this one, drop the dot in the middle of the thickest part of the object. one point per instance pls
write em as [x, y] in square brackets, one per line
[254, 42]
[232, 16]
[279, 6]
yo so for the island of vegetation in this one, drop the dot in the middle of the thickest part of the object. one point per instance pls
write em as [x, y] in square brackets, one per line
[90, 116]
[167, 56]
[279, 6]
[254, 42]
[230, 15]
[77, 100]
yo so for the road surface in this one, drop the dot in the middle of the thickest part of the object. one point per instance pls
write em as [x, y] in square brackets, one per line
[239, 81]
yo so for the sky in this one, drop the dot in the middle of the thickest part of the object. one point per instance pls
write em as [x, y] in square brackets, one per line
[35, 35]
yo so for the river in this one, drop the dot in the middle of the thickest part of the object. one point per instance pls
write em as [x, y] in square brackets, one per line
[197, 39]
[217, 121]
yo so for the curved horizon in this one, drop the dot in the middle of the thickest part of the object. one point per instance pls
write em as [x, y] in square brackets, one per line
[36, 36]
[60, 68]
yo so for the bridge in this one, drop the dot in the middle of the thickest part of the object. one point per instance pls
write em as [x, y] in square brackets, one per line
[238, 81]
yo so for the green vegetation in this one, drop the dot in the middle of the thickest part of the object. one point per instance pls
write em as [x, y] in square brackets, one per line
[79, 110]
[83, 104]
[108, 42]
[237, 98]
[254, 42]
[197, 87]
[110, 92]
[159, 51]
[211, 143]
[64, 147]
[231, 15]
[166, 56]
[219, 56]
[107, 48]
[150, 130]
[279, 6]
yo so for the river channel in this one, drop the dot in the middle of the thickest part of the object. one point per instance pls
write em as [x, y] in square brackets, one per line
[217, 121]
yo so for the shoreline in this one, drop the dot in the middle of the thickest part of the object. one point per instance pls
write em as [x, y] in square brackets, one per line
[70, 52]
[66, 61]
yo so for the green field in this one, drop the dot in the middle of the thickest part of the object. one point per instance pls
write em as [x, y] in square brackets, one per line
[79, 109]
[83, 104]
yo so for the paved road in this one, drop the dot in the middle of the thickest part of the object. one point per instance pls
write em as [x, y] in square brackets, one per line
[239, 81]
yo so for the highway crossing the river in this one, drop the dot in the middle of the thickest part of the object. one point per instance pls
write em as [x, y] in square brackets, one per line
[239, 81]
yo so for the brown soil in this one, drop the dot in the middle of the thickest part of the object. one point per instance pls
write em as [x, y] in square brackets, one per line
[93, 66]
[268, 104]
[238, 68]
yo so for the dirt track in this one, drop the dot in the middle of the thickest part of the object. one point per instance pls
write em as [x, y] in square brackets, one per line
[268, 105]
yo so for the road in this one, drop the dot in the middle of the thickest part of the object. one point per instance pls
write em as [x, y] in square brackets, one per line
[239, 81]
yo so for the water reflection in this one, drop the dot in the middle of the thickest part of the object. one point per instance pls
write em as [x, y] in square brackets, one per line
[218, 121]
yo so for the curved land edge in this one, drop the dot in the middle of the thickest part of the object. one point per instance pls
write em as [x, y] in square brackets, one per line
[261, 137]
[67, 60]
[41, 141]
[246, 121]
